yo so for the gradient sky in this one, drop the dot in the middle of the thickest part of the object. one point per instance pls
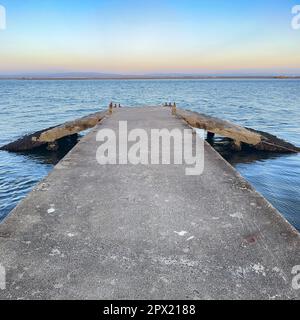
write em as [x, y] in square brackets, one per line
[153, 36]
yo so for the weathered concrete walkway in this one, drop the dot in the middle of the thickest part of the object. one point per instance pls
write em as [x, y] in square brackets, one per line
[146, 232]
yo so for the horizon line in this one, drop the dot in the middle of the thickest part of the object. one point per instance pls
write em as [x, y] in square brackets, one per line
[145, 77]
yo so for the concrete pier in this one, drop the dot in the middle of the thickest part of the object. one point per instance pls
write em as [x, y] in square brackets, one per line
[90, 231]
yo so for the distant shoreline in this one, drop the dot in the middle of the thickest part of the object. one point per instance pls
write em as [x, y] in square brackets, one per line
[156, 78]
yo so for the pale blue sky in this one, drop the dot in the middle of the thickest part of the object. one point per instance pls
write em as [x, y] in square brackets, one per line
[130, 36]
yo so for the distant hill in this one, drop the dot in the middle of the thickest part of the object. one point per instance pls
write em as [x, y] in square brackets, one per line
[62, 75]
[97, 75]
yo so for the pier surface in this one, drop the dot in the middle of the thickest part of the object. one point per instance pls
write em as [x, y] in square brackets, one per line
[90, 231]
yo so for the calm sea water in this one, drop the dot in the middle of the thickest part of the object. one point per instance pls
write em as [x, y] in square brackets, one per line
[268, 105]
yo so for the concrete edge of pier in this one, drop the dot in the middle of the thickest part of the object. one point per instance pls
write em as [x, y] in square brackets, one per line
[252, 188]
